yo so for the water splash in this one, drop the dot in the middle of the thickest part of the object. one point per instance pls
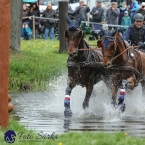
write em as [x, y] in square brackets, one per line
[44, 110]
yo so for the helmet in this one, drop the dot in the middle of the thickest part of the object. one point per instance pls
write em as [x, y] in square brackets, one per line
[138, 17]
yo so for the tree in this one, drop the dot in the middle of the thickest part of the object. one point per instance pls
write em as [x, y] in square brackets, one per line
[16, 23]
[63, 6]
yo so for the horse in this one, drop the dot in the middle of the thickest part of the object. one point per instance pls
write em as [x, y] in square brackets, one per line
[125, 64]
[84, 65]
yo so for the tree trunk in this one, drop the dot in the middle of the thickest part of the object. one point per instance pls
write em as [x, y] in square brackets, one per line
[63, 6]
[16, 24]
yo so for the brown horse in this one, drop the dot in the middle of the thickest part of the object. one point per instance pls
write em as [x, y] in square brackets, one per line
[125, 63]
[85, 67]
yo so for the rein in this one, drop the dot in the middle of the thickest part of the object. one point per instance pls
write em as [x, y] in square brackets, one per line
[89, 48]
[130, 47]
[88, 62]
[126, 67]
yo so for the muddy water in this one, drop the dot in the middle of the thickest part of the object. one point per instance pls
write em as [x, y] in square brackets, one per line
[43, 111]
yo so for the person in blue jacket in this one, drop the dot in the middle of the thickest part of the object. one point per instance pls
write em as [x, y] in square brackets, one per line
[26, 32]
[136, 32]
[133, 8]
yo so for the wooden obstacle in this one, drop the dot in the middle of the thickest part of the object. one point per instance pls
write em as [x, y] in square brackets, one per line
[5, 105]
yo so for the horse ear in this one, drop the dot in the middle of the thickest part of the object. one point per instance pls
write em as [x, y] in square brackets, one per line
[68, 20]
[114, 32]
[103, 31]
[66, 34]
[118, 35]
[80, 34]
[99, 43]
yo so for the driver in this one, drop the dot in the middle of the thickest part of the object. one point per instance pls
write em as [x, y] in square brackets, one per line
[136, 32]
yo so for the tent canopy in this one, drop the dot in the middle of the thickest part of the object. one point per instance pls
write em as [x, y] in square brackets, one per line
[31, 1]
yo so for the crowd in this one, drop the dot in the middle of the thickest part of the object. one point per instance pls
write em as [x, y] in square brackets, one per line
[118, 14]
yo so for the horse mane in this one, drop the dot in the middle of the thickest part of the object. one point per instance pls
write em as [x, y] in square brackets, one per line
[119, 42]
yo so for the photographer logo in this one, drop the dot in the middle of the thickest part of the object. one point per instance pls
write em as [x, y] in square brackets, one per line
[9, 136]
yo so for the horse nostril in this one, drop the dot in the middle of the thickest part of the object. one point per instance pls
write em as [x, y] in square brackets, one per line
[74, 53]
[108, 65]
[70, 55]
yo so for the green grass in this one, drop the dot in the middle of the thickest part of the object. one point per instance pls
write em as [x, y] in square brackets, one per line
[85, 138]
[36, 64]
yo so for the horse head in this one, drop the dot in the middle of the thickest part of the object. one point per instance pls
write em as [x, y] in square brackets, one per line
[108, 45]
[74, 35]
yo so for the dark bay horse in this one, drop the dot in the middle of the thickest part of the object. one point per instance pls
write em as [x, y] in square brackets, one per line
[125, 63]
[84, 64]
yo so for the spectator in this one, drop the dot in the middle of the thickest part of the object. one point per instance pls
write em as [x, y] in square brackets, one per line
[34, 10]
[26, 32]
[81, 11]
[112, 15]
[28, 6]
[25, 14]
[142, 9]
[122, 10]
[98, 13]
[133, 8]
[126, 21]
[49, 24]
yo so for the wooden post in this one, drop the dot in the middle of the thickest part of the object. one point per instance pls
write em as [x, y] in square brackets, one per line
[4, 60]
[63, 11]
[34, 34]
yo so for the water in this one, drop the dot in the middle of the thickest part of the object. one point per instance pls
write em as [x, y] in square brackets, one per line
[43, 111]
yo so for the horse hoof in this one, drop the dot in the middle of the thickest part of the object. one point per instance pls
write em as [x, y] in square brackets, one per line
[67, 112]
[122, 108]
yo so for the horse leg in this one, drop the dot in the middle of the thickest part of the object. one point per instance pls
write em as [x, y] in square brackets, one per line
[89, 89]
[114, 90]
[70, 86]
[143, 88]
[121, 105]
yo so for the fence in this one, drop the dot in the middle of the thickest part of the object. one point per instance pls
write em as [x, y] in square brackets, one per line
[105, 25]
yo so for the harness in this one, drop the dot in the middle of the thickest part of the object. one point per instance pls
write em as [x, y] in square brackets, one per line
[91, 54]
[91, 57]
[126, 67]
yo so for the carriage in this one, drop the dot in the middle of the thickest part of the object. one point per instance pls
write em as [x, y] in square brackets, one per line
[88, 66]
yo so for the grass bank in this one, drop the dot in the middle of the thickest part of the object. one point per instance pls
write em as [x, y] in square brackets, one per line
[36, 64]
[86, 138]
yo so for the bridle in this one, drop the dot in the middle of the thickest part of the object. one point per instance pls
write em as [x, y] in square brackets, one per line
[111, 39]
[76, 45]
[73, 43]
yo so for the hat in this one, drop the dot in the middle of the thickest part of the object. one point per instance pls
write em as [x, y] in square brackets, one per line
[126, 12]
[98, 1]
[113, 3]
[28, 5]
[143, 3]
